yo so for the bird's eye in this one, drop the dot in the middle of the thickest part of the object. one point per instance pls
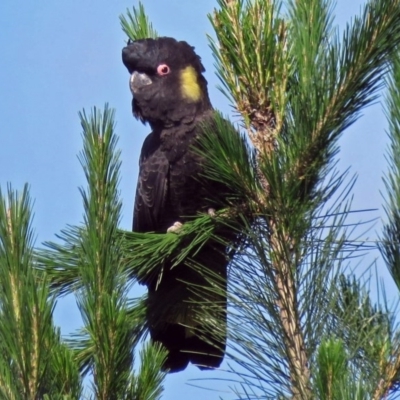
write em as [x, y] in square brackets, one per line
[163, 69]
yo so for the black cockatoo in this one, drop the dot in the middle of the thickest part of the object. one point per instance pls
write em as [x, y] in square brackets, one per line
[170, 93]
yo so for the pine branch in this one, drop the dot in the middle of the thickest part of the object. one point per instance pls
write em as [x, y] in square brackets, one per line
[253, 283]
[137, 25]
[90, 262]
[252, 64]
[102, 299]
[60, 261]
[390, 247]
[346, 78]
[31, 349]
[149, 383]
[332, 368]
[308, 90]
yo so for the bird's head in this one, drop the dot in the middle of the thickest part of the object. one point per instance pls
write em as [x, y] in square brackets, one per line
[166, 81]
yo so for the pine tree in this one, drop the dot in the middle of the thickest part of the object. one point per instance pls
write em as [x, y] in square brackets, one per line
[301, 324]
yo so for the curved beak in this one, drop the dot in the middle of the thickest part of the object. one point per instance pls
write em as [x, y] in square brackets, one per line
[138, 80]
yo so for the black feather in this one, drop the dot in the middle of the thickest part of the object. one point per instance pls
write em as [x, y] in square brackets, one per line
[169, 190]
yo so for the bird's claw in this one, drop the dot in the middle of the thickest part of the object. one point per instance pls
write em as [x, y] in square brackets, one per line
[175, 228]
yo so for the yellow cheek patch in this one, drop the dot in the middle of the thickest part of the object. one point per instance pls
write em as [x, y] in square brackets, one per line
[190, 87]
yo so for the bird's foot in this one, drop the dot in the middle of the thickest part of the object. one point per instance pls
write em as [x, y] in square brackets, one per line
[175, 228]
[211, 212]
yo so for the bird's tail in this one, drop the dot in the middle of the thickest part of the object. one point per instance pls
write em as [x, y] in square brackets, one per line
[187, 311]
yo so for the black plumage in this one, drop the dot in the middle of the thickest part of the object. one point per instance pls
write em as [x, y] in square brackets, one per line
[170, 93]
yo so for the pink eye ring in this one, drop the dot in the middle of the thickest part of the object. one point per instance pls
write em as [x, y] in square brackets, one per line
[163, 69]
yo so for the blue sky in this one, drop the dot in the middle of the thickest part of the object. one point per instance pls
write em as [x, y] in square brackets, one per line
[59, 57]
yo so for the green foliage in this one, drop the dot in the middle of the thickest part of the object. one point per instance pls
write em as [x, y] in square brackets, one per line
[137, 25]
[389, 247]
[33, 361]
[143, 253]
[229, 158]
[391, 236]
[334, 378]
[148, 384]
[331, 361]
[298, 86]
[300, 325]
[252, 61]
[90, 263]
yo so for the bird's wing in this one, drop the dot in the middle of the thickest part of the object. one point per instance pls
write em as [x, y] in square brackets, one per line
[151, 189]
